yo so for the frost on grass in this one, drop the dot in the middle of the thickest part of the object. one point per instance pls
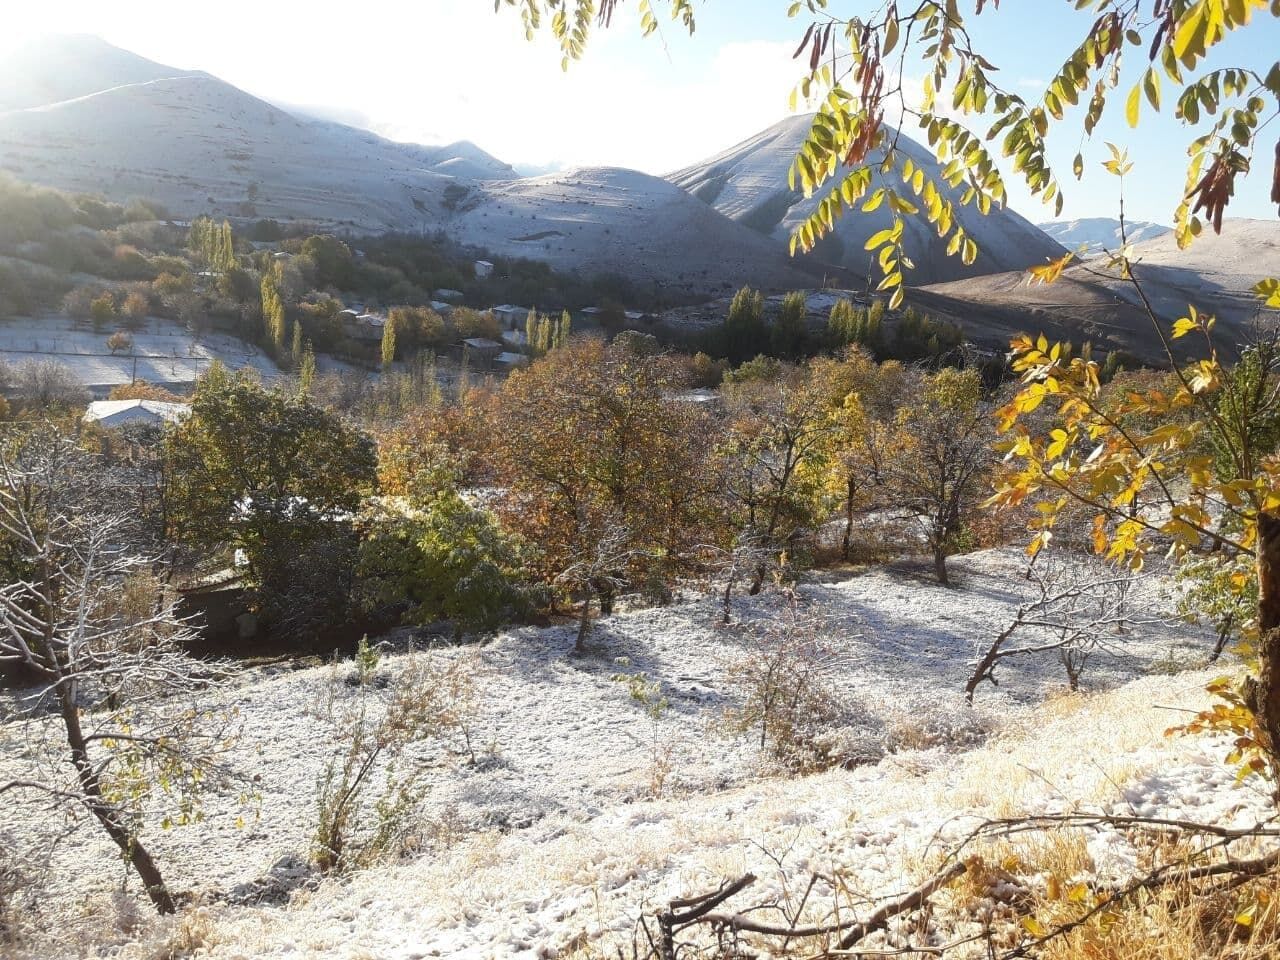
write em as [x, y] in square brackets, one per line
[557, 836]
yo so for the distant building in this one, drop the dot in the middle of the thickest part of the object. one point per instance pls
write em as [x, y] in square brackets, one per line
[511, 316]
[480, 352]
[114, 414]
[510, 361]
[514, 338]
[442, 307]
[484, 269]
[453, 296]
[362, 326]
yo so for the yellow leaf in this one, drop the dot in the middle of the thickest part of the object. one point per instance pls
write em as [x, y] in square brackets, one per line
[1051, 271]
[1182, 327]
[1034, 926]
[1133, 105]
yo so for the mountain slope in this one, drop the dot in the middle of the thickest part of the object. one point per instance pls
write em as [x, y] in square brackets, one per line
[1215, 273]
[609, 220]
[52, 69]
[1096, 234]
[199, 145]
[748, 183]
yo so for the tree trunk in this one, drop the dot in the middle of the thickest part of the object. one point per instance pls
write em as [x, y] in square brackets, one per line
[1267, 700]
[107, 814]
[846, 543]
[584, 621]
[606, 592]
[940, 565]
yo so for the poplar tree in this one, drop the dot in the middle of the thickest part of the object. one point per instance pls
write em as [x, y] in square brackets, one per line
[388, 343]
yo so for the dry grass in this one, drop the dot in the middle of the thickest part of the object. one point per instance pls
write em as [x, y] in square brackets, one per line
[1182, 920]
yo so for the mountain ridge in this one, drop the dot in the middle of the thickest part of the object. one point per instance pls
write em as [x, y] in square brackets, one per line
[748, 183]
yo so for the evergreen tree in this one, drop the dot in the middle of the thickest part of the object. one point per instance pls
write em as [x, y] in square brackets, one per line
[566, 323]
[531, 332]
[295, 349]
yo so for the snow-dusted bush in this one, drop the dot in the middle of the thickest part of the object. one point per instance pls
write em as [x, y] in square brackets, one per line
[368, 794]
[785, 683]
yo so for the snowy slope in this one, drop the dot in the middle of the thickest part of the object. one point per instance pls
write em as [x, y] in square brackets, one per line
[125, 128]
[748, 182]
[557, 834]
[1096, 234]
[610, 220]
[51, 69]
[1215, 274]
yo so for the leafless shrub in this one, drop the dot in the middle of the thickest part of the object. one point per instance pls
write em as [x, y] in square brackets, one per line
[1078, 609]
[368, 794]
[784, 679]
[48, 383]
[19, 894]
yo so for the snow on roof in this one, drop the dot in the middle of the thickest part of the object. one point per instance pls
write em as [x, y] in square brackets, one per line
[510, 308]
[480, 343]
[374, 319]
[512, 358]
[116, 413]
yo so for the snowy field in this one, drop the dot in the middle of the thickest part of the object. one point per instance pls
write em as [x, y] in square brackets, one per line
[163, 352]
[583, 809]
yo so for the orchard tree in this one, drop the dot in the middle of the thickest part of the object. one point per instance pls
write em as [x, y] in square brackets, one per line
[446, 559]
[861, 398]
[775, 455]
[278, 477]
[938, 464]
[604, 463]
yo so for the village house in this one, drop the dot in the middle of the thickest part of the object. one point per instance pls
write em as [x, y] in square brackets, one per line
[510, 361]
[367, 327]
[511, 316]
[484, 269]
[114, 414]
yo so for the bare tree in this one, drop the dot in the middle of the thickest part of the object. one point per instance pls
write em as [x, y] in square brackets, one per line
[1076, 611]
[48, 383]
[83, 615]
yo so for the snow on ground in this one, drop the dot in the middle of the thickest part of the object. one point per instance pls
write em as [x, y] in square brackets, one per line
[163, 352]
[556, 838]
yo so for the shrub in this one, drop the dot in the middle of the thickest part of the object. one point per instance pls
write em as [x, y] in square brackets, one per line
[786, 691]
[434, 697]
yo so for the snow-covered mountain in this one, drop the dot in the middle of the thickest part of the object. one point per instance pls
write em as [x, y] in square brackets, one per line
[748, 182]
[108, 122]
[1093, 235]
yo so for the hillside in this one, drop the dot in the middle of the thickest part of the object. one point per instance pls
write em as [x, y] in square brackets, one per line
[748, 183]
[1096, 234]
[609, 220]
[123, 127]
[582, 808]
[1215, 273]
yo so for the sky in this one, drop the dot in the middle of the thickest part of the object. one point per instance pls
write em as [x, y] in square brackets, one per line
[434, 71]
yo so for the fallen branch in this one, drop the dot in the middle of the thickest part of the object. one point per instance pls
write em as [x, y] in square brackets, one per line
[700, 912]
